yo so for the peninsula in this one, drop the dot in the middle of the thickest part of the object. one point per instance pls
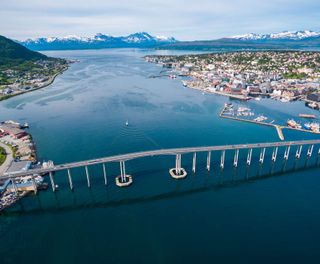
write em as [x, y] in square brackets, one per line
[23, 70]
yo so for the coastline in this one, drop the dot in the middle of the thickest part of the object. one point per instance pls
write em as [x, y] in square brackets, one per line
[49, 82]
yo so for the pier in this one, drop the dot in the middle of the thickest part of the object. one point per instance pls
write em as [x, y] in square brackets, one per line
[279, 128]
[178, 172]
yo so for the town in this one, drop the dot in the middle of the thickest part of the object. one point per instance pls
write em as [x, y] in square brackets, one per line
[282, 75]
[29, 76]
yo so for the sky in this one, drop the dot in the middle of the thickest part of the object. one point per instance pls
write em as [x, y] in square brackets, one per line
[182, 19]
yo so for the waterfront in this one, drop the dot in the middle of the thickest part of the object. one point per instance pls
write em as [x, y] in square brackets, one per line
[207, 216]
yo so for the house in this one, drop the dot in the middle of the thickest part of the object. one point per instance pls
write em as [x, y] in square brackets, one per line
[13, 130]
[314, 97]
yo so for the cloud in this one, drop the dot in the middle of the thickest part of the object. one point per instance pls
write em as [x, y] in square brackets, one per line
[184, 19]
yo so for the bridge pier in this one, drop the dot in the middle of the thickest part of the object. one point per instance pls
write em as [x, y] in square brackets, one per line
[194, 160]
[223, 154]
[249, 157]
[14, 186]
[262, 153]
[123, 180]
[286, 153]
[70, 179]
[310, 150]
[104, 173]
[208, 160]
[298, 152]
[53, 186]
[88, 176]
[34, 185]
[236, 157]
[178, 172]
[274, 154]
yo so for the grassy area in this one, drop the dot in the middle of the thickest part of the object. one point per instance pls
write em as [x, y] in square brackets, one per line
[3, 155]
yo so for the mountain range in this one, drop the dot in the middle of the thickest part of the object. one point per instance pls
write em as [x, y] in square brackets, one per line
[285, 35]
[13, 53]
[306, 39]
[287, 40]
[136, 40]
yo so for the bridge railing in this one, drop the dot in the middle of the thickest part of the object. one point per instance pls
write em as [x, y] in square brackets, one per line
[177, 172]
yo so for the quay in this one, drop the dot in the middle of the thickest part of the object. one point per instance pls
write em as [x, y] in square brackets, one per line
[279, 128]
[178, 172]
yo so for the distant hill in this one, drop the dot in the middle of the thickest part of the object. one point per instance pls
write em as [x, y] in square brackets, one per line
[287, 40]
[99, 41]
[13, 53]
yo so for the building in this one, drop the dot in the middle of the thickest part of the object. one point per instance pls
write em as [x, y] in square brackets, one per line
[314, 97]
[13, 130]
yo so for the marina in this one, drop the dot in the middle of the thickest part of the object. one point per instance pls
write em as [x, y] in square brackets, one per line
[82, 118]
[291, 124]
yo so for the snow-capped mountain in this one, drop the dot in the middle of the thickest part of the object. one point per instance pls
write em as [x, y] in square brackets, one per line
[140, 39]
[289, 35]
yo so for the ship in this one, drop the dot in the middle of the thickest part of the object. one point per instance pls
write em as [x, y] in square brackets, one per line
[314, 127]
[307, 116]
[292, 123]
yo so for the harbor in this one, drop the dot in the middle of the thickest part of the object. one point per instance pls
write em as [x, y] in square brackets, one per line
[240, 113]
[20, 155]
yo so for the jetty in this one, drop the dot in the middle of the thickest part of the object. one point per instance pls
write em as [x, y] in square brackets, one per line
[279, 128]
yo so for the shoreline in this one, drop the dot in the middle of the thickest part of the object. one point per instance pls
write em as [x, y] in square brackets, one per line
[49, 82]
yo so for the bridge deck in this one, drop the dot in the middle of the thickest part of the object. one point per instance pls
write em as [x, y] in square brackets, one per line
[174, 151]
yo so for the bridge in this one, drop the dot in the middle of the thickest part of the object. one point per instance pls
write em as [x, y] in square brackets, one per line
[177, 172]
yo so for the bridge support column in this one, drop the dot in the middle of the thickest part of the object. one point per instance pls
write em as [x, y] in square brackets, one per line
[53, 186]
[123, 180]
[70, 179]
[178, 172]
[223, 154]
[194, 160]
[286, 153]
[262, 153]
[274, 154]
[249, 157]
[236, 157]
[104, 173]
[208, 160]
[298, 152]
[34, 185]
[88, 176]
[14, 186]
[310, 150]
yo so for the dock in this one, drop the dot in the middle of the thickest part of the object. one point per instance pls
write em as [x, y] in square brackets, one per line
[279, 128]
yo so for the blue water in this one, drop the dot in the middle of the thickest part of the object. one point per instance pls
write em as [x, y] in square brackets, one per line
[265, 214]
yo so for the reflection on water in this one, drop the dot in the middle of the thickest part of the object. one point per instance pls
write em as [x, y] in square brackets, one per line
[234, 214]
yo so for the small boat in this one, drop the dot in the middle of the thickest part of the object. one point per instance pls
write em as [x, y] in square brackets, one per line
[292, 123]
[315, 127]
[25, 125]
[260, 118]
[257, 98]
[307, 126]
[127, 123]
[313, 105]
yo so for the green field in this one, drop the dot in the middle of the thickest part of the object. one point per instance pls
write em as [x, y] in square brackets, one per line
[3, 155]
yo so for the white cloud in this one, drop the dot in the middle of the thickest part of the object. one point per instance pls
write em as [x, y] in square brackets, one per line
[184, 19]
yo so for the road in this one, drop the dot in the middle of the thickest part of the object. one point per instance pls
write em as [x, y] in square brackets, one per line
[175, 151]
[9, 159]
